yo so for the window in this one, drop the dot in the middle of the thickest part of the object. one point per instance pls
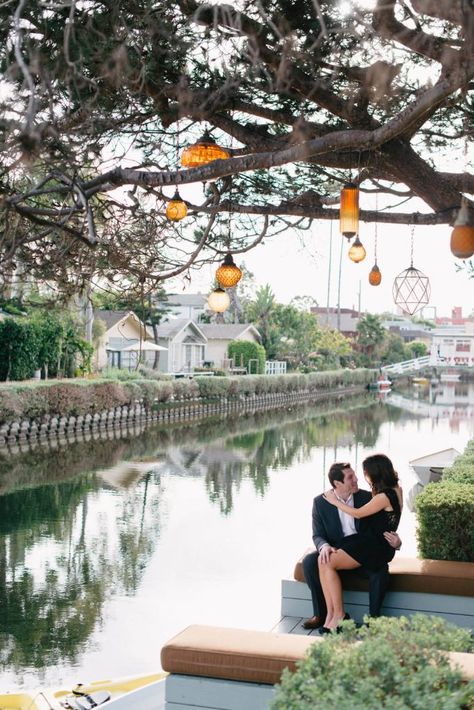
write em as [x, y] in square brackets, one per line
[463, 346]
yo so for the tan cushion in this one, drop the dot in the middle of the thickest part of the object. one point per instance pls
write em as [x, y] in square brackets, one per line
[414, 575]
[234, 654]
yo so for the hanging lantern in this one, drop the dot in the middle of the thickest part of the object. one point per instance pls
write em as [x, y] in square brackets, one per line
[204, 151]
[228, 274]
[357, 251]
[462, 236]
[375, 276]
[349, 210]
[176, 209]
[411, 290]
[218, 300]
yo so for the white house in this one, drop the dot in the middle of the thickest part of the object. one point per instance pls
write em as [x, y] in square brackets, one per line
[185, 305]
[124, 340]
[219, 335]
[191, 344]
[456, 347]
[185, 343]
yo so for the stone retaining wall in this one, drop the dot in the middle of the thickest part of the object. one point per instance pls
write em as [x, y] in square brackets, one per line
[26, 434]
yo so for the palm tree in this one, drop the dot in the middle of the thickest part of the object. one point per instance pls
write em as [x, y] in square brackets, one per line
[370, 333]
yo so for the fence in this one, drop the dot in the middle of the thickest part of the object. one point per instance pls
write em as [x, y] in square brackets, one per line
[275, 367]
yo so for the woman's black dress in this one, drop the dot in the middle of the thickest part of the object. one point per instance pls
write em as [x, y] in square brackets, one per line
[369, 547]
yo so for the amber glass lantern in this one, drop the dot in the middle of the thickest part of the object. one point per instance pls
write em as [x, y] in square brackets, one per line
[228, 274]
[218, 300]
[462, 236]
[357, 251]
[176, 209]
[375, 275]
[349, 210]
[204, 151]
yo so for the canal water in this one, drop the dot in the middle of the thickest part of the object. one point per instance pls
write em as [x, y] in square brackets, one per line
[110, 547]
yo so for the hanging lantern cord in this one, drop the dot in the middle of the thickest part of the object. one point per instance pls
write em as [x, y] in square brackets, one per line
[412, 232]
[376, 230]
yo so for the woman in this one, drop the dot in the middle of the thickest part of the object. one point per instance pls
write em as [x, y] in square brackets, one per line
[367, 548]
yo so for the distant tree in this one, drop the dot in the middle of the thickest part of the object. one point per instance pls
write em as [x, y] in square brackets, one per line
[417, 348]
[370, 334]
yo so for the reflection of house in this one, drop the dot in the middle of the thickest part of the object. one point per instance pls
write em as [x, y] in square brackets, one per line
[344, 319]
[191, 345]
[123, 329]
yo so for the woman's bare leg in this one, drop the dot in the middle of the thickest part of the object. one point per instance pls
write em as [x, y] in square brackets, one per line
[326, 591]
[332, 586]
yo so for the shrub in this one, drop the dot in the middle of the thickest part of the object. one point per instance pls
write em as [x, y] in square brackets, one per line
[18, 350]
[242, 351]
[398, 664]
[445, 512]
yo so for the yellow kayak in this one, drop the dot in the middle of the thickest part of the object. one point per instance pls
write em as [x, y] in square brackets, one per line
[81, 697]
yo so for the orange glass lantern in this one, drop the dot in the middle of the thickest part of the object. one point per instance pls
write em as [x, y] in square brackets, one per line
[228, 274]
[357, 251]
[204, 151]
[375, 275]
[176, 209]
[349, 210]
[462, 236]
[218, 300]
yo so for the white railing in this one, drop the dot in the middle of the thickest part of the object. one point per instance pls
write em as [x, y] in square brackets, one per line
[275, 367]
[418, 363]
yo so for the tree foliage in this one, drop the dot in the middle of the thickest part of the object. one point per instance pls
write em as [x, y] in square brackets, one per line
[98, 98]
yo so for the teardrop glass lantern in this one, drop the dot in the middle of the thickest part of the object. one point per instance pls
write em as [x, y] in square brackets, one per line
[176, 209]
[375, 275]
[204, 151]
[357, 251]
[228, 274]
[218, 300]
[462, 236]
[349, 210]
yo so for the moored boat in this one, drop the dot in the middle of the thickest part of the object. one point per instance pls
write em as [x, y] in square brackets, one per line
[104, 693]
[430, 467]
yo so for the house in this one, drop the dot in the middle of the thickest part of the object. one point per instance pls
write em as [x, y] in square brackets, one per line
[124, 338]
[190, 344]
[456, 347]
[185, 343]
[185, 305]
[219, 335]
[344, 320]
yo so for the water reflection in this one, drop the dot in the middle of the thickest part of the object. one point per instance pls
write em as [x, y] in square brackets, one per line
[80, 525]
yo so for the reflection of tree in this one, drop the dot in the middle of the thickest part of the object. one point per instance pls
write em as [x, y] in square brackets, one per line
[46, 617]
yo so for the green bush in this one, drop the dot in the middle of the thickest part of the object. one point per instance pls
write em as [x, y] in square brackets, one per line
[445, 512]
[19, 349]
[398, 664]
[242, 351]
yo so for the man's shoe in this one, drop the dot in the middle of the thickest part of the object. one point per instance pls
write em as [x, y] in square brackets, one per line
[314, 623]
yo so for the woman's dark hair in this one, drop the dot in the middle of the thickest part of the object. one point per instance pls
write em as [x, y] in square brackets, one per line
[380, 471]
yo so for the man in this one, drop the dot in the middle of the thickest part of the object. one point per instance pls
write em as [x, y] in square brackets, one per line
[330, 526]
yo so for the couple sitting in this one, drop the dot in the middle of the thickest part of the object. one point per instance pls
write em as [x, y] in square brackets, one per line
[352, 530]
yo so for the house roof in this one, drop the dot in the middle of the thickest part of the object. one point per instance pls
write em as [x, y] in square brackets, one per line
[170, 328]
[185, 299]
[111, 318]
[226, 331]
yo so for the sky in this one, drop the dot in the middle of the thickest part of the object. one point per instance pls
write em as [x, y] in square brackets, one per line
[298, 265]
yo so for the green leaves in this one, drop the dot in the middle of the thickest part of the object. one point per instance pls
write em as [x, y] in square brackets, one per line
[392, 663]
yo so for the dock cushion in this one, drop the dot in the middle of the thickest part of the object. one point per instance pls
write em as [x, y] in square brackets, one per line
[234, 654]
[414, 575]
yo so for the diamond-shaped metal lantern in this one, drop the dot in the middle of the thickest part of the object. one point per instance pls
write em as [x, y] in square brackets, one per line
[411, 290]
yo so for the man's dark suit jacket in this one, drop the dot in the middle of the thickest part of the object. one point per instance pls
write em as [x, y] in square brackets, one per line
[327, 528]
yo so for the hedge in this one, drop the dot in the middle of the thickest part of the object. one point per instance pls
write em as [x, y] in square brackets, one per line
[242, 351]
[445, 512]
[397, 664]
[36, 400]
